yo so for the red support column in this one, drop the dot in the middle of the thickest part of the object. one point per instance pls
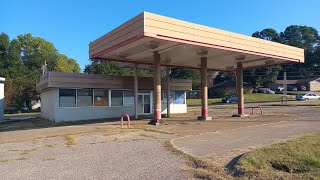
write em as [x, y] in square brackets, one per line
[240, 91]
[240, 88]
[204, 90]
[156, 89]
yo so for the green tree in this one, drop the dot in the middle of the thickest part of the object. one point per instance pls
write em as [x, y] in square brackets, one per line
[268, 34]
[35, 51]
[264, 76]
[112, 68]
[74, 66]
[4, 48]
[21, 60]
[192, 74]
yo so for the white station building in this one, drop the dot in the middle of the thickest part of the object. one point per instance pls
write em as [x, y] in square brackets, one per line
[78, 96]
[2, 80]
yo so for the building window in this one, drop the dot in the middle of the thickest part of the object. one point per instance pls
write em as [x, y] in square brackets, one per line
[128, 98]
[67, 97]
[84, 97]
[116, 98]
[101, 98]
[164, 96]
[179, 97]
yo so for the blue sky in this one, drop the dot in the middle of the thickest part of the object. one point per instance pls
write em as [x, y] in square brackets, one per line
[71, 24]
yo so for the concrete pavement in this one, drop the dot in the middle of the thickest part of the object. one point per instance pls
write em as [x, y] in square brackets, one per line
[237, 141]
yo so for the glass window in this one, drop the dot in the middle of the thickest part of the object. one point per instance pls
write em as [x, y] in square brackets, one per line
[164, 96]
[179, 97]
[67, 98]
[116, 98]
[171, 96]
[84, 97]
[128, 98]
[101, 98]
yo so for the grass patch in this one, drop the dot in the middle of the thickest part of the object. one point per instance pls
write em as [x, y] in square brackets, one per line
[200, 167]
[198, 101]
[24, 151]
[22, 159]
[148, 135]
[4, 160]
[298, 158]
[70, 139]
[152, 129]
[48, 159]
[49, 145]
[247, 97]
[27, 151]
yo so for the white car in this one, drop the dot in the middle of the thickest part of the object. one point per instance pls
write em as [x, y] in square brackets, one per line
[308, 96]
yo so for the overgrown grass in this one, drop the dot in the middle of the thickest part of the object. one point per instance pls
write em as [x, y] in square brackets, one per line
[70, 139]
[48, 159]
[23, 151]
[22, 159]
[294, 159]
[247, 97]
[264, 97]
[198, 101]
[152, 129]
[4, 160]
[201, 168]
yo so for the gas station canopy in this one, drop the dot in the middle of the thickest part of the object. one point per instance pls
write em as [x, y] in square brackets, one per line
[182, 44]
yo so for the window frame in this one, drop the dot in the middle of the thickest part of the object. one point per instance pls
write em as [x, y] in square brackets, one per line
[76, 98]
[92, 100]
[108, 105]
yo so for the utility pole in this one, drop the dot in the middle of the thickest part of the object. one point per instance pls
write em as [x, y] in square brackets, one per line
[44, 68]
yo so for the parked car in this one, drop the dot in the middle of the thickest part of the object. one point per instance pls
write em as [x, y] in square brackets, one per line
[262, 90]
[307, 96]
[24, 109]
[302, 88]
[292, 88]
[230, 99]
[280, 89]
[270, 92]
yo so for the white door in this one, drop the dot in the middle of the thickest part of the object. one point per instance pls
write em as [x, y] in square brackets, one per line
[144, 103]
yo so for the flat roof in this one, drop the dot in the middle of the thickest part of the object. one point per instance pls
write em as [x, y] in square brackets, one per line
[58, 80]
[181, 44]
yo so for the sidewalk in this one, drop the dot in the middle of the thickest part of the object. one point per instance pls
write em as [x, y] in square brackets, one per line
[241, 140]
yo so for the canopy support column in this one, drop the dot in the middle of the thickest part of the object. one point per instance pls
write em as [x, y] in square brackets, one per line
[168, 92]
[240, 91]
[156, 90]
[204, 90]
[135, 91]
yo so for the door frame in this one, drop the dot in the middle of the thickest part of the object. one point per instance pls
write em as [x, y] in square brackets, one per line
[151, 103]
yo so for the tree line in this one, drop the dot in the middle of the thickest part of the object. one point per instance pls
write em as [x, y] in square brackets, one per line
[21, 62]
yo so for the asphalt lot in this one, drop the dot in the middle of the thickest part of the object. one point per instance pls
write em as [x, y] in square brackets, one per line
[132, 155]
[105, 151]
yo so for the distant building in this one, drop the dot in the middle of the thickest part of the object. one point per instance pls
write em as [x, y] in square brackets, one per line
[312, 84]
[2, 80]
[194, 94]
[226, 88]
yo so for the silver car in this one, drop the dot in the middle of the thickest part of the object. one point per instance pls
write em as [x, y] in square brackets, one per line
[308, 96]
